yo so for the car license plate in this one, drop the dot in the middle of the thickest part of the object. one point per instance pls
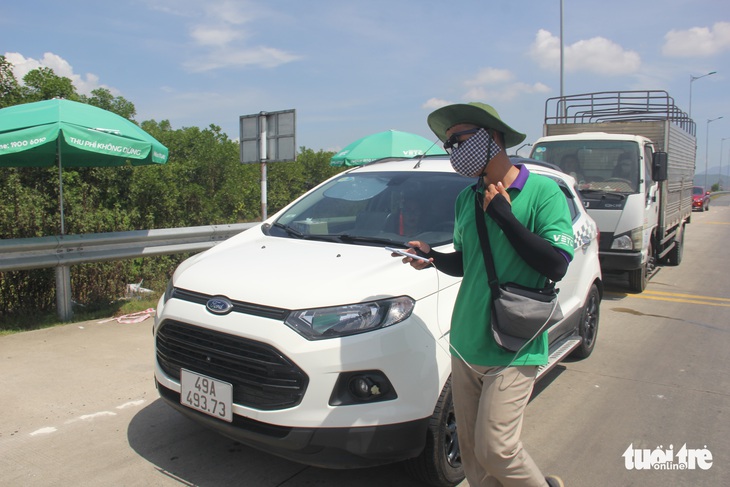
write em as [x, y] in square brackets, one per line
[207, 395]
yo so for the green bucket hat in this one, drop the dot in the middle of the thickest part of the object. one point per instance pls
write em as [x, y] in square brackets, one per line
[479, 114]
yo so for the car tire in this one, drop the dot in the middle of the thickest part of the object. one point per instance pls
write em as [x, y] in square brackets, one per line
[588, 324]
[439, 464]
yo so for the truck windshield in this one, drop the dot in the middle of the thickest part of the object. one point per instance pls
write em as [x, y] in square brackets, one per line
[597, 165]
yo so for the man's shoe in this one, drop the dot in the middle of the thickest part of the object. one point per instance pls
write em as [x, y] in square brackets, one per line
[554, 481]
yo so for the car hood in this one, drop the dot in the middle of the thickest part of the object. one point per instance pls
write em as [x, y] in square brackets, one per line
[297, 274]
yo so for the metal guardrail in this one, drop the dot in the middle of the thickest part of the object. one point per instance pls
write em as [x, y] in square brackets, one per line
[63, 251]
[39, 252]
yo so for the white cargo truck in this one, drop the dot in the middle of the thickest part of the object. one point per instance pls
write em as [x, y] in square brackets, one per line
[632, 154]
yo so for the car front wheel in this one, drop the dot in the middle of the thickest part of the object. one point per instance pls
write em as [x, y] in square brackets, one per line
[439, 464]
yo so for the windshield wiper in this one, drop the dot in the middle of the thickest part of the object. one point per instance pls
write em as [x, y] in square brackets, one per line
[603, 192]
[293, 232]
[368, 240]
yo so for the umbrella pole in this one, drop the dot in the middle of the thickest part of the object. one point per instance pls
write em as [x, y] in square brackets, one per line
[60, 183]
[63, 272]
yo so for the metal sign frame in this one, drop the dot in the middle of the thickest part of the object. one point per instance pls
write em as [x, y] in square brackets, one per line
[268, 137]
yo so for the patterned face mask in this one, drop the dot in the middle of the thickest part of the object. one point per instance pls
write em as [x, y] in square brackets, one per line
[470, 157]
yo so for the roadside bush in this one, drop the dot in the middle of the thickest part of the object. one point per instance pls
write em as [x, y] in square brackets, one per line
[203, 183]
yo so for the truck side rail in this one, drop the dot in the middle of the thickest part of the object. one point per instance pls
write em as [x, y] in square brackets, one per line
[610, 106]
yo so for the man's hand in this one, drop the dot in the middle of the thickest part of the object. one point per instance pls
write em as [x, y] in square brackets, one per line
[416, 263]
[491, 191]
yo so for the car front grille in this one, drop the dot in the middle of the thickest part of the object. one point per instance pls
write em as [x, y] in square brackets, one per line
[262, 377]
[238, 306]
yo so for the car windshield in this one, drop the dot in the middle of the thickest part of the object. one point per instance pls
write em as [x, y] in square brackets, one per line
[698, 191]
[377, 208]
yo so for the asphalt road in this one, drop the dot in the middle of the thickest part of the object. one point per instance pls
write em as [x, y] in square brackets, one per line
[79, 406]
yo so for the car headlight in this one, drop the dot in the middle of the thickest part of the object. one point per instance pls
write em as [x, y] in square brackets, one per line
[632, 240]
[168, 292]
[350, 319]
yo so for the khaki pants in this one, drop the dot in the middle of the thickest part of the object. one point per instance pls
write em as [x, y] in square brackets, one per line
[489, 412]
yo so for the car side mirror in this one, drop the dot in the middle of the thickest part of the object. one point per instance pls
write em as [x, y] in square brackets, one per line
[659, 166]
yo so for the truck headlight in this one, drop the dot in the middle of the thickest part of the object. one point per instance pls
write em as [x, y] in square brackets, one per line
[633, 240]
[350, 319]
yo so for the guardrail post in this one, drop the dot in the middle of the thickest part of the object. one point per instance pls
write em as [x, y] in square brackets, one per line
[63, 293]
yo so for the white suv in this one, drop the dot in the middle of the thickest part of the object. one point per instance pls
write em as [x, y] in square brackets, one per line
[303, 337]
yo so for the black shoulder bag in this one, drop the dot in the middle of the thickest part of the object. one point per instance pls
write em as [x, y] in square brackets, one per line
[519, 313]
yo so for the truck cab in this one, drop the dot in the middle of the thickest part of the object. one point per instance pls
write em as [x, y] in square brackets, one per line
[632, 154]
[614, 175]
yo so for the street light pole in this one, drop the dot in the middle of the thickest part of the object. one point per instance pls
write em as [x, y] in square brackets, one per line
[707, 145]
[722, 142]
[692, 79]
[562, 67]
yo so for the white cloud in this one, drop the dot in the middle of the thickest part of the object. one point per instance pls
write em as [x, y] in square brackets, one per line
[490, 76]
[434, 103]
[596, 55]
[221, 35]
[84, 84]
[491, 84]
[505, 93]
[215, 35]
[498, 84]
[697, 41]
[266, 57]
[233, 11]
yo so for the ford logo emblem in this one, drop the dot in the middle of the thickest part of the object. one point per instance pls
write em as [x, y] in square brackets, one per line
[219, 305]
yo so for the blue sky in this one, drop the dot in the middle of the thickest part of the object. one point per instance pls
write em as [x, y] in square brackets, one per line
[352, 68]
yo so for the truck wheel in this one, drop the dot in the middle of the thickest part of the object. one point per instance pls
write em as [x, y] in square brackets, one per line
[639, 278]
[674, 257]
[439, 464]
[588, 325]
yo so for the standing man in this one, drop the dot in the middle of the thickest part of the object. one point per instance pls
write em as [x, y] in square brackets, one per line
[531, 237]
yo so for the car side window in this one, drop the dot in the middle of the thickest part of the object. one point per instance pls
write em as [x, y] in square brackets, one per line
[570, 199]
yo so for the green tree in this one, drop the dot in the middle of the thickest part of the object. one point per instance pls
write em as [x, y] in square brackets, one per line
[289, 180]
[202, 183]
[9, 87]
[103, 98]
[44, 84]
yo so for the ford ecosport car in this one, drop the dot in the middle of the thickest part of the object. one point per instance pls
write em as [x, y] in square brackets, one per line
[303, 337]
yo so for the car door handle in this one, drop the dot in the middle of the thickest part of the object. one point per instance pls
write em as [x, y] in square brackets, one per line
[585, 242]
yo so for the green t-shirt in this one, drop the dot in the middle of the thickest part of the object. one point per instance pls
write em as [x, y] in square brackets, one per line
[541, 207]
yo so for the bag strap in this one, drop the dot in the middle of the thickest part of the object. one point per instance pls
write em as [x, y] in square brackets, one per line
[485, 246]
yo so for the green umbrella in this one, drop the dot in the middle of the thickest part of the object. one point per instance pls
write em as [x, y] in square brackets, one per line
[391, 143]
[72, 134]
